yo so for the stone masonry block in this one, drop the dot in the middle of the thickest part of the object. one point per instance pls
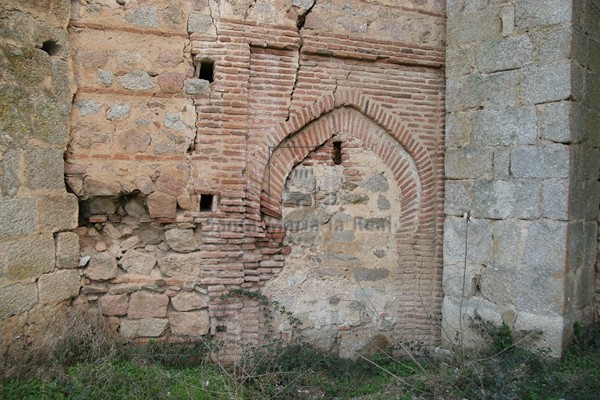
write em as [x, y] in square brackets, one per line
[454, 241]
[144, 304]
[546, 83]
[508, 242]
[532, 14]
[507, 199]
[502, 163]
[191, 324]
[464, 28]
[17, 298]
[457, 197]
[545, 258]
[188, 301]
[458, 129]
[150, 327]
[544, 161]
[464, 93]
[27, 258]
[554, 121]
[58, 286]
[503, 128]
[58, 213]
[161, 205]
[504, 54]
[102, 266]
[113, 304]
[468, 162]
[18, 216]
[552, 45]
[479, 241]
[44, 168]
[500, 90]
[555, 195]
[67, 250]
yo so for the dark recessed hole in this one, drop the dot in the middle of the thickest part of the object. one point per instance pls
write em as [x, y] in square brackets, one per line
[221, 328]
[206, 202]
[51, 47]
[206, 72]
[337, 153]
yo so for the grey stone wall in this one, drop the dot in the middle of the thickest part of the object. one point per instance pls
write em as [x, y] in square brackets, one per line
[521, 168]
[38, 257]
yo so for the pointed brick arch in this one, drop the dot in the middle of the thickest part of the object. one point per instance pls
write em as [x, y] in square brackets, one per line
[287, 144]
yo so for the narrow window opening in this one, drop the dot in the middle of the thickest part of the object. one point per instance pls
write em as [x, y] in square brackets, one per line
[51, 47]
[206, 202]
[207, 68]
[337, 153]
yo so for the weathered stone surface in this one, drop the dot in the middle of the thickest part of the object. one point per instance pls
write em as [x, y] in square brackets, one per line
[18, 216]
[545, 161]
[106, 78]
[383, 203]
[118, 111]
[162, 205]
[171, 82]
[151, 327]
[371, 274]
[469, 162]
[51, 120]
[199, 23]
[377, 183]
[143, 304]
[58, 213]
[297, 199]
[144, 16]
[504, 54]
[102, 266]
[506, 199]
[457, 198]
[191, 323]
[59, 286]
[113, 305]
[556, 198]
[494, 128]
[17, 298]
[10, 164]
[545, 83]
[44, 168]
[182, 240]
[87, 107]
[137, 80]
[540, 13]
[27, 258]
[181, 265]
[196, 86]
[137, 262]
[67, 250]
[188, 301]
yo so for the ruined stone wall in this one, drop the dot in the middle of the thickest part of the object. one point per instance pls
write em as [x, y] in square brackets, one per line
[38, 254]
[182, 130]
[522, 164]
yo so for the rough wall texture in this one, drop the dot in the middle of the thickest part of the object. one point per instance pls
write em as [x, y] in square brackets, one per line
[297, 147]
[522, 162]
[38, 257]
[189, 116]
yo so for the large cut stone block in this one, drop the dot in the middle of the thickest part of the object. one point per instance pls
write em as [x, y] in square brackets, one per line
[544, 161]
[503, 54]
[58, 286]
[27, 258]
[151, 327]
[545, 83]
[469, 162]
[58, 213]
[44, 168]
[18, 216]
[506, 199]
[533, 14]
[502, 128]
[192, 323]
[67, 250]
[144, 304]
[17, 298]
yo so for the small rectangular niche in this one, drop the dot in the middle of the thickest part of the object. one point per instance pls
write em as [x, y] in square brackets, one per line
[337, 153]
[208, 202]
[206, 70]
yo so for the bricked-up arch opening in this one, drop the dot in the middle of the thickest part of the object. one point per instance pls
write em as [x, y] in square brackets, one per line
[206, 70]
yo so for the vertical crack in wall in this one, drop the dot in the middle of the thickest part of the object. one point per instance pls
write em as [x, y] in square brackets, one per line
[300, 25]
